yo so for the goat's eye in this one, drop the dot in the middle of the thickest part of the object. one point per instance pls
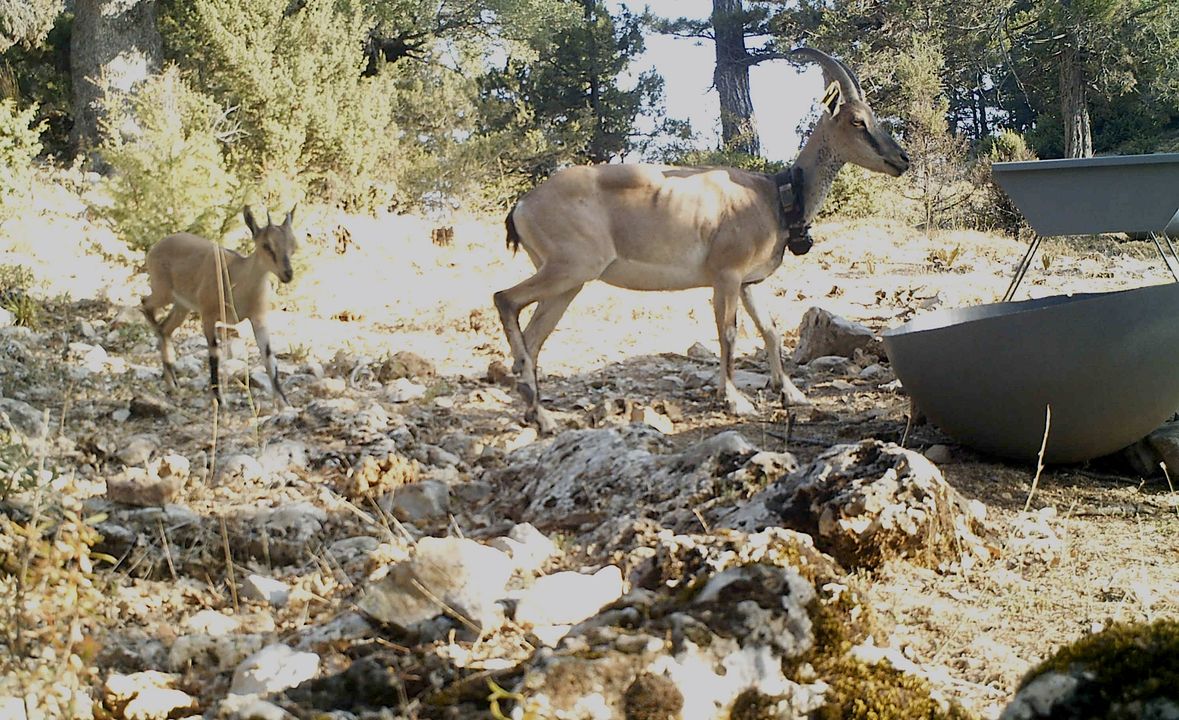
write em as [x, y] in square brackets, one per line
[859, 122]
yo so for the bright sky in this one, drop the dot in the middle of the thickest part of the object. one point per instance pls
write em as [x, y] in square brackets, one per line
[781, 95]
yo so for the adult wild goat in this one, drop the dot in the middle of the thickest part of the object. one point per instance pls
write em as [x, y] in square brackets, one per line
[654, 227]
[195, 275]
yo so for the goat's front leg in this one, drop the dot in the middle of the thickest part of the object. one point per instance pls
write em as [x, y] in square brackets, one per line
[209, 325]
[724, 304]
[262, 337]
[779, 380]
[523, 365]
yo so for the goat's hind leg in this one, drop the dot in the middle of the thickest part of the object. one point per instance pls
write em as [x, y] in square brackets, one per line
[779, 380]
[553, 291]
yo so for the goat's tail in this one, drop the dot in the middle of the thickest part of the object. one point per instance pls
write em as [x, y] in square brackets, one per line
[513, 241]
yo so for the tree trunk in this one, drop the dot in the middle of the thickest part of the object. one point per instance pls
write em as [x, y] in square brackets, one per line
[597, 153]
[1074, 101]
[731, 77]
[114, 46]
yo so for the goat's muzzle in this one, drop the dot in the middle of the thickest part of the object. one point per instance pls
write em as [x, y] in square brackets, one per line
[288, 274]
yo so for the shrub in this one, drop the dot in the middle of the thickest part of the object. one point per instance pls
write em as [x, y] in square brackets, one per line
[168, 173]
[294, 73]
[20, 144]
[15, 283]
[994, 210]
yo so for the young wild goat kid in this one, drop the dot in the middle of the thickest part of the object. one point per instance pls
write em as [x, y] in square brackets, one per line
[184, 270]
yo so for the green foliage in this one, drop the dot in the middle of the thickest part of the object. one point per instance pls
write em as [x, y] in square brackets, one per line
[568, 106]
[167, 170]
[721, 158]
[859, 193]
[294, 73]
[993, 210]
[37, 74]
[26, 21]
[19, 145]
[938, 168]
[860, 691]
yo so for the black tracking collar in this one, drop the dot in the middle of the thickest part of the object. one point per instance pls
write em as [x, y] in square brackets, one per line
[790, 196]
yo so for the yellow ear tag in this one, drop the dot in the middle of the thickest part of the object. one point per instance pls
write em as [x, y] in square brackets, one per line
[831, 97]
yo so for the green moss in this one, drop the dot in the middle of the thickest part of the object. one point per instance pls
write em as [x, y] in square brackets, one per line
[1128, 662]
[752, 705]
[879, 692]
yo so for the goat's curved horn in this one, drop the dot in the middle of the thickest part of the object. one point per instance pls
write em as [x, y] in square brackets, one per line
[834, 69]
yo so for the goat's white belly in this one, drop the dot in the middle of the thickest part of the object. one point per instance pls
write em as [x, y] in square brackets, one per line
[634, 275]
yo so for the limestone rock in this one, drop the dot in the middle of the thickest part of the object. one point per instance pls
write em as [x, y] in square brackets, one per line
[138, 449]
[418, 502]
[1125, 671]
[602, 478]
[822, 332]
[146, 405]
[21, 417]
[218, 652]
[267, 590]
[272, 669]
[149, 695]
[404, 364]
[528, 547]
[567, 598]
[465, 576]
[866, 502]
[141, 488]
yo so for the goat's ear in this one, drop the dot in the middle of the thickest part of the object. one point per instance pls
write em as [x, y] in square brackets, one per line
[832, 97]
[251, 223]
[290, 215]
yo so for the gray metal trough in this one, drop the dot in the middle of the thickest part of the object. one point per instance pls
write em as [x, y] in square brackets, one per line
[1106, 363]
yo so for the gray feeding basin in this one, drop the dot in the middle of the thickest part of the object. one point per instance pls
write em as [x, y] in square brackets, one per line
[1106, 363]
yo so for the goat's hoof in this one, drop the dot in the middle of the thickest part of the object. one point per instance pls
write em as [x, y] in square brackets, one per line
[546, 424]
[793, 397]
[740, 406]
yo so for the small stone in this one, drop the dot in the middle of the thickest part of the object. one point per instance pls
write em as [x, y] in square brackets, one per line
[463, 575]
[149, 406]
[404, 364]
[240, 467]
[143, 489]
[121, 415]
[260, 380]
[404, 390]
[137, 450]
[499, 374]
[418, 502]
[653, 418]
[272, 669]
[328, 387]
[208, 652]
[146, 696]
[283, 456]
[22, 417]
[700, 352]
[211, 622]
[528, 547]
[567, 598]
[939, 454]
[268, 590]
[441, 458]
[831, 364]
[876, 373]
[822, 332]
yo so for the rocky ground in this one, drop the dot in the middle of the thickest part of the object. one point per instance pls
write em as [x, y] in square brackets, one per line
[398, 539]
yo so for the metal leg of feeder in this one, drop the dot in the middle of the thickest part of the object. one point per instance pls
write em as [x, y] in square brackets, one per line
[1167, 260]
[1022, 268]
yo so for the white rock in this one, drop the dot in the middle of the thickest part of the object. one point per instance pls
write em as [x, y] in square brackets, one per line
[404, 390]
[211, 622]
[939, 454]
[528, 547]
[138, 449]
[120, 415]
[268, 590]
[272, 669]
[347, 625]
[822, 332]
[6, 320]
[283, 456]
[22, 417]
[352, 549]
[241, 467]
[250, 707]
[148, 695]
[831, 364]
[461, 574]
[416, 502]
[1036, 700]
[211, 652]
[653, 418]
[567, 598]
